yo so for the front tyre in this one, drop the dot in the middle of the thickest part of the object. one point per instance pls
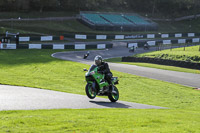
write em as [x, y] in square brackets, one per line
[90, 91]
[114, 97]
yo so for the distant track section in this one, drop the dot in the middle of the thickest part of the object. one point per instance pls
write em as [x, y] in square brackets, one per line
[38, 19]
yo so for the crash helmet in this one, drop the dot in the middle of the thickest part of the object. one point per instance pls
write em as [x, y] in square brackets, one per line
[98, 60]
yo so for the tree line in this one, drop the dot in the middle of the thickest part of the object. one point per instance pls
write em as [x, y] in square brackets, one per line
[167, 7]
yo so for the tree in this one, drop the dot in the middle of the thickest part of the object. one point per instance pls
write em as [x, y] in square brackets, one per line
[171, 8]
[42, 4]
[23, 5]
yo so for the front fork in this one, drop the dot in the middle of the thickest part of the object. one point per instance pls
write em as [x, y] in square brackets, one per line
[94, 86]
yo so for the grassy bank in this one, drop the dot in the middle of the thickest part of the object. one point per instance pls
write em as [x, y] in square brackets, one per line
[43, 27]
[191, 54]
[60, 27]
[36, 68]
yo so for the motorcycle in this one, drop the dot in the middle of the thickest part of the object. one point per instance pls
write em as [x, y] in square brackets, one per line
[146, 47]
[97, 85]
[86, 55]
[132, 49]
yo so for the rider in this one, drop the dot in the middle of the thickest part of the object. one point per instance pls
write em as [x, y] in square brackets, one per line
[104, 68]
[132, 48]
[146, 45]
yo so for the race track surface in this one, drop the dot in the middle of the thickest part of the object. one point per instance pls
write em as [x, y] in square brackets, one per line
[25, 98]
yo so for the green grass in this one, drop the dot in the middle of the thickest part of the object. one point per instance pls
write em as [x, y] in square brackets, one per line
[36, 68]
[182, 26]
[100, 120]
[114, 60]
[191, 54]
[44, 27]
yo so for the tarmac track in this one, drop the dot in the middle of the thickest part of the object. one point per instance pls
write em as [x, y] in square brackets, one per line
[25, 98]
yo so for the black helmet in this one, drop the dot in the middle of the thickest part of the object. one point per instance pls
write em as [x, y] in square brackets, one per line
[98, 60]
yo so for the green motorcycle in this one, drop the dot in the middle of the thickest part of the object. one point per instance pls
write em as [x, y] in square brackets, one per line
[97, 85]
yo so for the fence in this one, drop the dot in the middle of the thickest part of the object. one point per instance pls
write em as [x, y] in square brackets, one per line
[55, 46]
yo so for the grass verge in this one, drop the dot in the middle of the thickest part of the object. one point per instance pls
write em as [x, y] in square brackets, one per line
[100, 120]
[191, 54]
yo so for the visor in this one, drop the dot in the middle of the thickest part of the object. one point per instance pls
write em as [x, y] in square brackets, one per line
[97, 62]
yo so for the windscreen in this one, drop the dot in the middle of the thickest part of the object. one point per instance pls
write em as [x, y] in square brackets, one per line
[92, 67]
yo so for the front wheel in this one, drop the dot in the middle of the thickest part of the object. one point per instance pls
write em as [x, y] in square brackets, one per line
[90, 91]
[114, 97]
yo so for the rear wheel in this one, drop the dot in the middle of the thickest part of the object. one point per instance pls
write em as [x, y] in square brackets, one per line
[114, 97]
[90, 91]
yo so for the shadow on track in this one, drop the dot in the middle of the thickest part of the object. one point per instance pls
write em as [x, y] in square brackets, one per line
[111, 104]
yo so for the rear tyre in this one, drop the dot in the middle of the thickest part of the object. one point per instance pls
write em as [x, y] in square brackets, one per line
[90, 91]
[114, 97]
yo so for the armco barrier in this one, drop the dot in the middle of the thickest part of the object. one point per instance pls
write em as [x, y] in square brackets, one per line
[55, 46]
[183, 64]
[27, 38]
[141, 43]
[132, 36]
[31, 37]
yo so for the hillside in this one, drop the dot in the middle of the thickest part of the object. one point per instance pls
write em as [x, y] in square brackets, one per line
[59, 27]
[185, 54]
